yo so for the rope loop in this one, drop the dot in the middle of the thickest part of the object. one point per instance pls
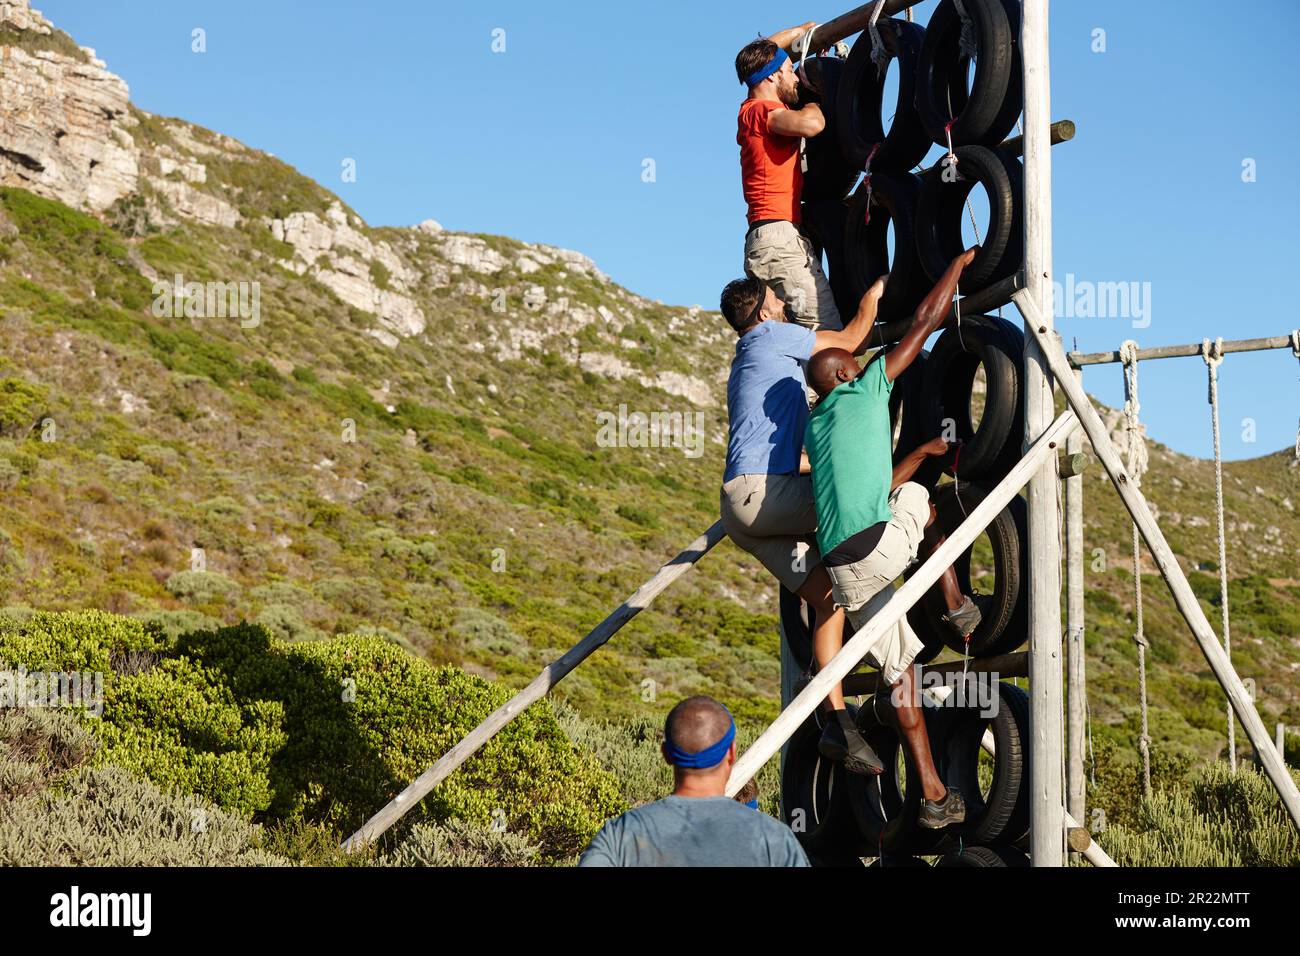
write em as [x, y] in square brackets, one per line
[805, 44]
[1212, 352]
[1295, 343]
[968, 44]
[879, 55]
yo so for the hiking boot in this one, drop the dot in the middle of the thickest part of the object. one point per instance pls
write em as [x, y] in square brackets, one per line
[967, 617]
[937, 814]
[846, 746]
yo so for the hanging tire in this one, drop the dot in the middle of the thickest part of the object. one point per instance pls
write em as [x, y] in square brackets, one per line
[992, 448]
[911, 862]
[858, 102]
[984, 856]
[794, 617]
[941, 209]
[978, 115]
[814, 800]
[907, 401]
[1003, 815]
[886, 806]
[1003, 627]
[822, 224]
[829, 175]
[894, 199]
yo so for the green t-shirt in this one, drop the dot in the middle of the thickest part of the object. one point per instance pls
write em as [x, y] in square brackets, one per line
[849, 442]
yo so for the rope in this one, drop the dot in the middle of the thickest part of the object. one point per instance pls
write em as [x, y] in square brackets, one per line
[1213, 355]
[879, 55]
[1137, 466]
[968, 44]
[805, 42]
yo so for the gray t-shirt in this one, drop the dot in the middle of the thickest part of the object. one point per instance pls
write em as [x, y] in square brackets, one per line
[694, 831]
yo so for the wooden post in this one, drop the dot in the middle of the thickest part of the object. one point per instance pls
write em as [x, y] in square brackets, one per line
[838, 667]
[1045, 686]
[1164, 557]
[554, 672]
[1076, 715]
[1281, 743]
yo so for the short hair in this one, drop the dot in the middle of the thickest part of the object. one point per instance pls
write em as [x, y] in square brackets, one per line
[755, 55]
[695, 724]
[740, 301]
[748, 793]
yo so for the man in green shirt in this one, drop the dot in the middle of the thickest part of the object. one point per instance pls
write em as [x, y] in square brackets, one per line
[871, 524]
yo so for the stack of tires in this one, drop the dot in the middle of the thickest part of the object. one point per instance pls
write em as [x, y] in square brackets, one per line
[958, 77]
[959, 84]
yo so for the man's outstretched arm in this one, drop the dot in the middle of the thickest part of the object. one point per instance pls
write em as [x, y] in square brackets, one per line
[854, 336]
[930, 314]
[906, 468]
[785, 38]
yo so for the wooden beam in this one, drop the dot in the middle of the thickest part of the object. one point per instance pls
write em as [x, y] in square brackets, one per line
[856, 648]
[551, 675]
[1164, 558]
[1076, 715]
[1080, 359]
[826, 35]
[1003, 665]
[1046, 691]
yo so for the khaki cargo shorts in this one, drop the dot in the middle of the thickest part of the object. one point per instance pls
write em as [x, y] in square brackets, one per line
[774, 519]
[864, 587]
[777, 254]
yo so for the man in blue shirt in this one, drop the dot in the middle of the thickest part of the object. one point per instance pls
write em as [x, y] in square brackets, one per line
[697, 825]
[767, 501]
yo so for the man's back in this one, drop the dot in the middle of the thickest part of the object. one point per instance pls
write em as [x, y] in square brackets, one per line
[694, 831]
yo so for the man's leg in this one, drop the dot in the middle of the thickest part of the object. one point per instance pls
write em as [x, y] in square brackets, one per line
[911, 722]
[828, 632]
[783, 259]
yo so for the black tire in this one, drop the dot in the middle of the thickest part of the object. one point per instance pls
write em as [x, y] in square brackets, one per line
[829, 175]
[823, 223]
[815, 800]
[979, 116]
[992, 448]
[1004, 624]
[858, 102]
[885, 807]
[984, 856]
[911, 862]
[894, 199]
[1002, 817]
[907, 399]
[795, 620]
[941, 210]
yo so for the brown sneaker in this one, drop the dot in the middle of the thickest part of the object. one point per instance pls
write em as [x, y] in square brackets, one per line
[937, 814]
[967, 617]
[848, 748]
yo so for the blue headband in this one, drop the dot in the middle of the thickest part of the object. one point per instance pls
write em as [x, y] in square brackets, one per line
[708, 757]
[758, 76]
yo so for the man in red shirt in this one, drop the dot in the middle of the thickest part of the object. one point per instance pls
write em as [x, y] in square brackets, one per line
[770, 126]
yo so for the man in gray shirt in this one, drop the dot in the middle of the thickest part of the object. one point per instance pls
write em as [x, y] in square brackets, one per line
[697, 825]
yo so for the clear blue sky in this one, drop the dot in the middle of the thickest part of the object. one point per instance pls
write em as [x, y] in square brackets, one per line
[545, 142]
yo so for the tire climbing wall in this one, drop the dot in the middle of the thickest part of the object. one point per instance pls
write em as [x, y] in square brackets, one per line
[958, 81]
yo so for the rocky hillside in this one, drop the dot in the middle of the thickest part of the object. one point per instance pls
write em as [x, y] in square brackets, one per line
[225, 396]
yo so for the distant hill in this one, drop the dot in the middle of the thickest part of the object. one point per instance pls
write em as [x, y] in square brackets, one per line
[400, 429]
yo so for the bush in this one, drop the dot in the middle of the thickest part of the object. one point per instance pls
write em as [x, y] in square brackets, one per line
[1218, 818]
[458, 844]
[55, 811]
[200, 587]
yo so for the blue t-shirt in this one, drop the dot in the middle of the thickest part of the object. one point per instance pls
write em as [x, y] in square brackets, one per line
[694, 831]
[767, 406]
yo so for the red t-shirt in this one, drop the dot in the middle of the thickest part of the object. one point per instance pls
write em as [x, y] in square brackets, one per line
[769, 164]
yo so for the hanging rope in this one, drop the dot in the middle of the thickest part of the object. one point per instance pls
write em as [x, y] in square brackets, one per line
[879, 55]
[968, 44]
[1213, 355]
[1137, 466]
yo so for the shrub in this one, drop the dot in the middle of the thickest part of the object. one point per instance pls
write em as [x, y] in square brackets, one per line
[364, 718]
[458, 844]
[200, 587]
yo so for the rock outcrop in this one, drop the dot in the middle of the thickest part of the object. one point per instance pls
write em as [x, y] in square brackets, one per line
[64, 118]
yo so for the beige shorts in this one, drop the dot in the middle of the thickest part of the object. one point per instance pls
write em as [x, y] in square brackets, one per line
[774, 519]
[864, 587]
[776, 253]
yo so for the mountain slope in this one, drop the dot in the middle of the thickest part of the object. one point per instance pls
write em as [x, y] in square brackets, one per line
[407, 436]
